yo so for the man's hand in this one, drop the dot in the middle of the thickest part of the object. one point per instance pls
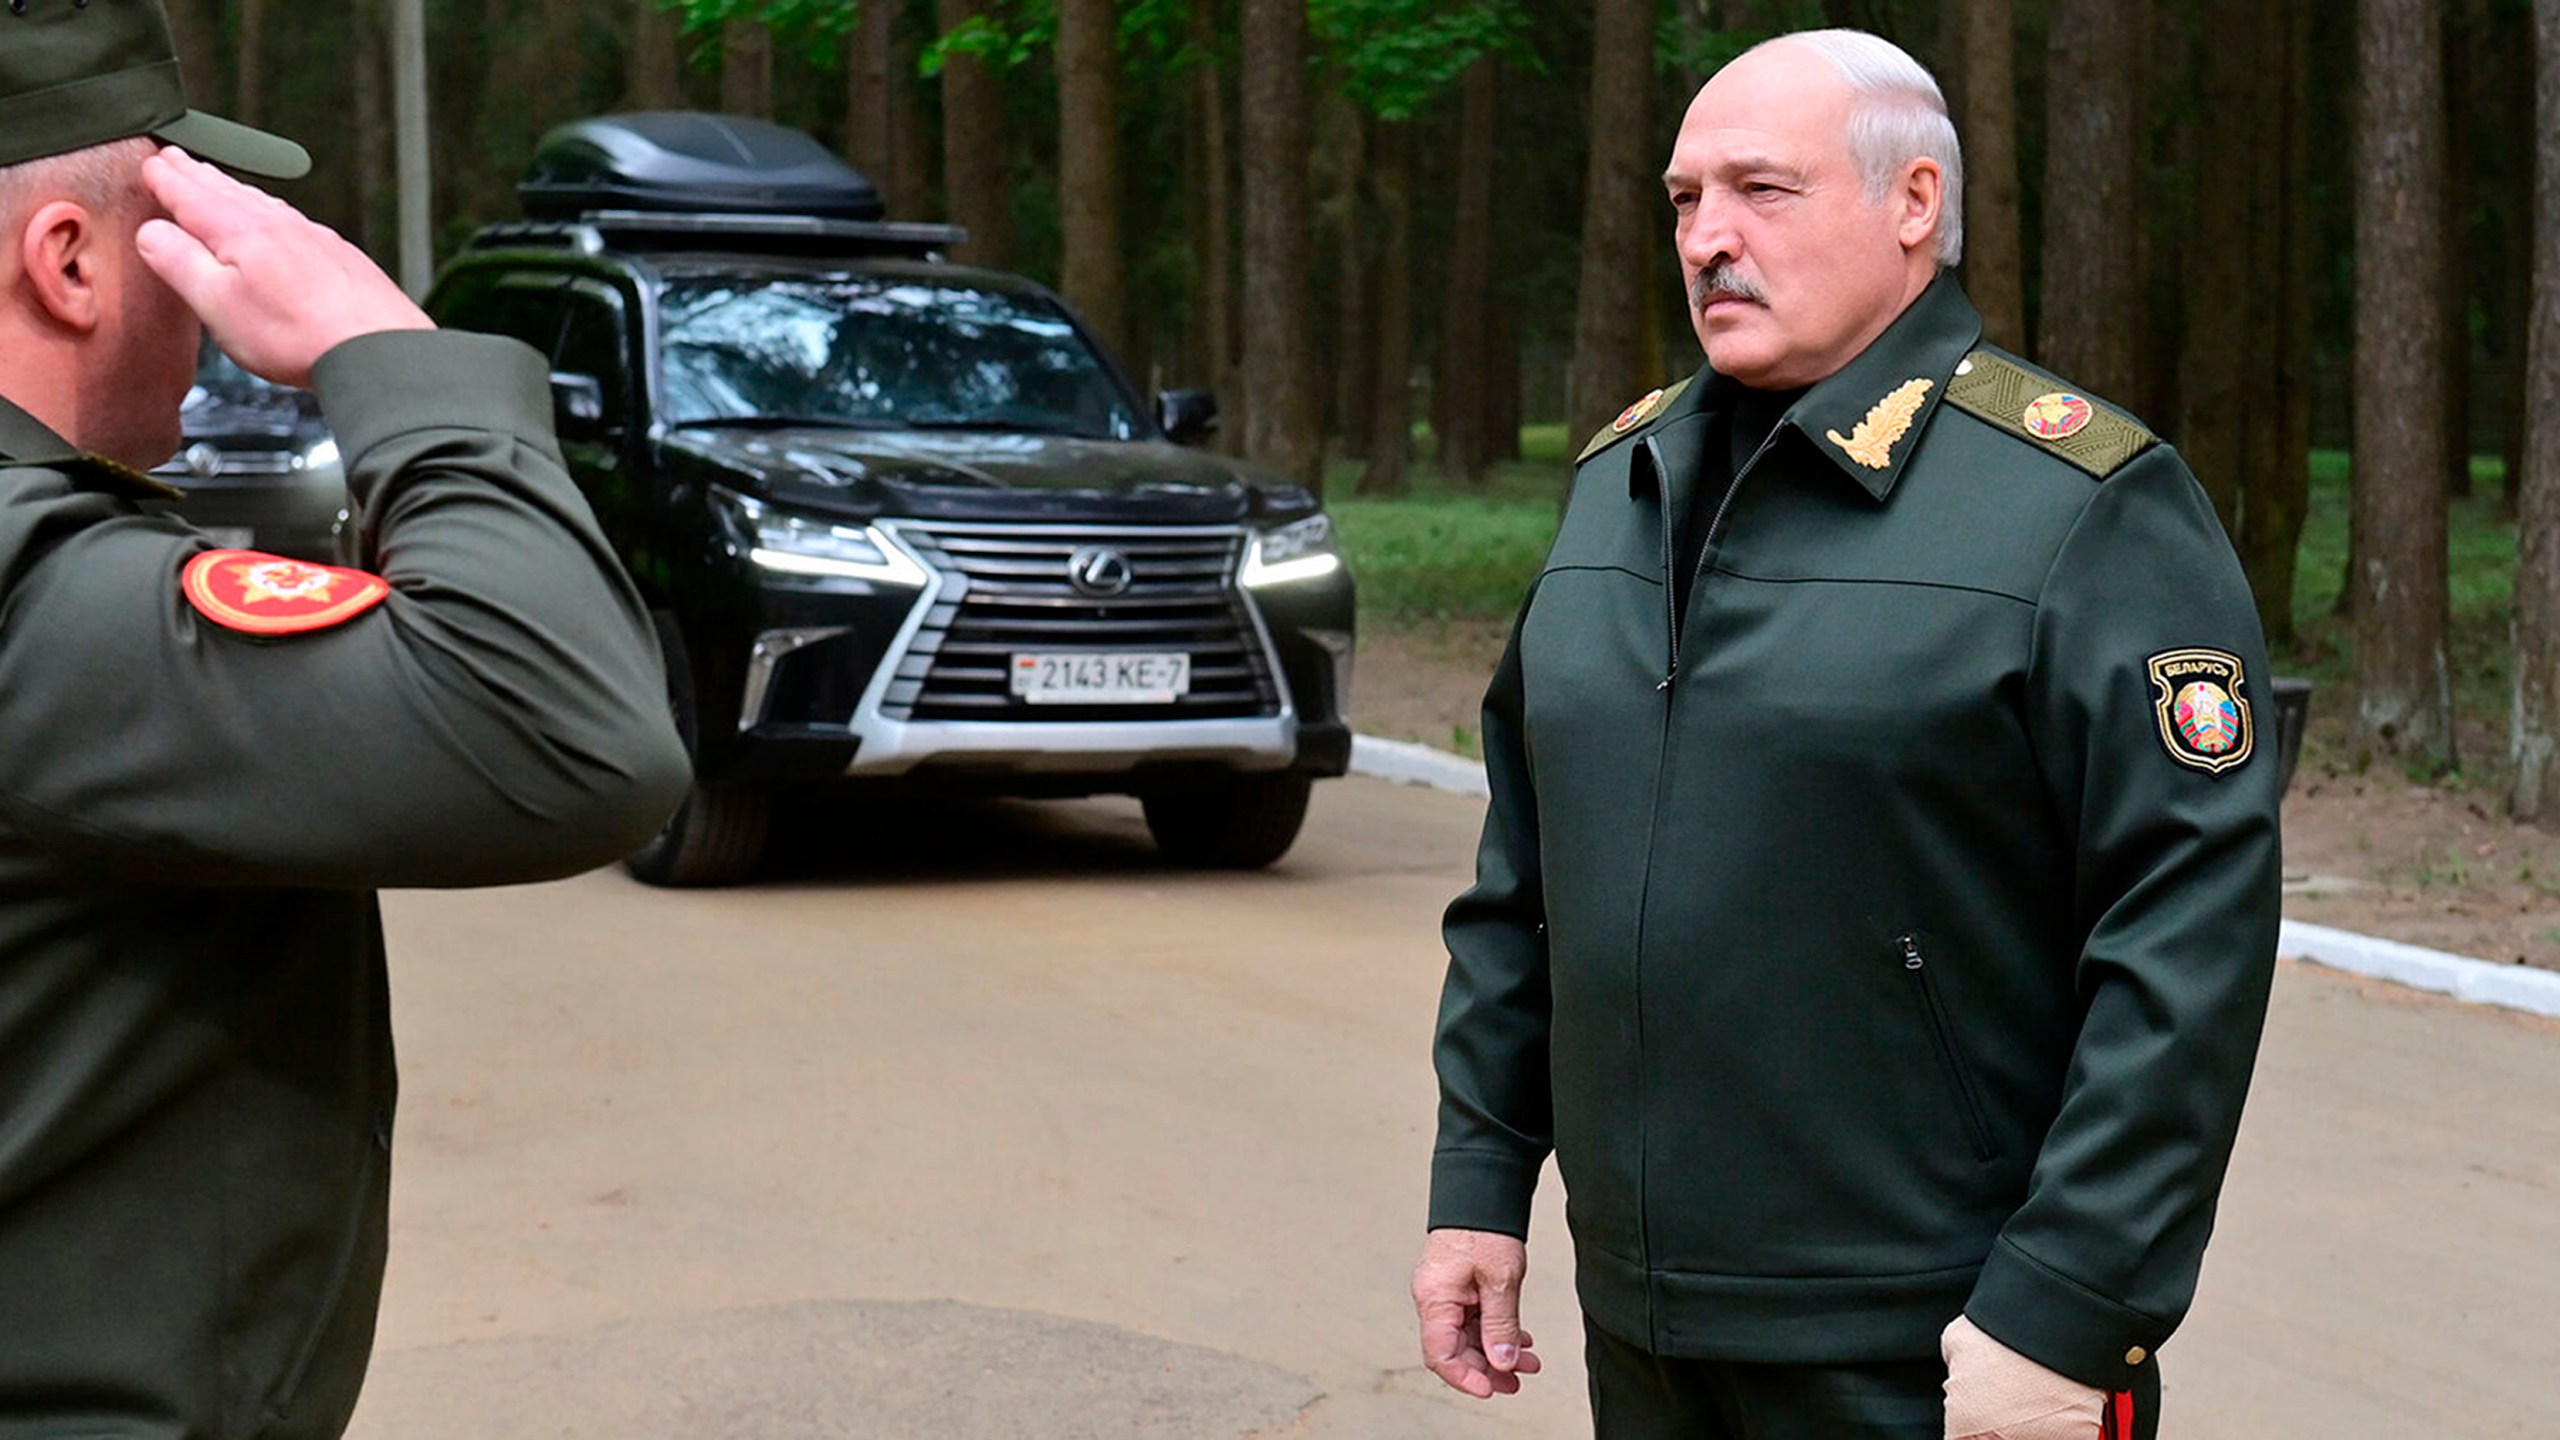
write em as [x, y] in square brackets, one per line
[1467, 1293]
[1995, 1393]
[275, 290]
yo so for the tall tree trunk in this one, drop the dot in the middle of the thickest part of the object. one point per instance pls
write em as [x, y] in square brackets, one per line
[1994, 267]
[1090, 262]
[2090, 330]
[1355, 352]
[973, 146]
[1460, 379]
[1609, 333]
[369, 73]
[2221, 402]
[2276, 489]
[746, 69]
[1279, 381]
[249, 101]
[1391, 410]
[1502, 387]
[886, 136]
[2461, 172]
[2513, 98]
[196, 27]
[2534, 745]
[2404, 702]
[653, 65]
[1214, 314]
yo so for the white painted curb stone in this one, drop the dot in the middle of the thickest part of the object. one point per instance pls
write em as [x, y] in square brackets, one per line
[2515, 987]
[2482, 982]
[1410, 764]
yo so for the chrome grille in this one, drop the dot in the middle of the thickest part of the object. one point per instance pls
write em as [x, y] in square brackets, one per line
[1007, 589]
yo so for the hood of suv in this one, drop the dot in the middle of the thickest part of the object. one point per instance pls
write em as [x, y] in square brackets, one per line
[977, 474]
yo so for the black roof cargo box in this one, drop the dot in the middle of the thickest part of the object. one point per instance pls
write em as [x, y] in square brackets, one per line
[680, 161]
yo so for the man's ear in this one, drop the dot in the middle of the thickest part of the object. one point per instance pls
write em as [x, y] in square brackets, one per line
[1916, 203]
[59, 250]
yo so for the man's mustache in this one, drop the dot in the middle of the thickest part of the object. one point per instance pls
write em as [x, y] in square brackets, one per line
[1722, 281]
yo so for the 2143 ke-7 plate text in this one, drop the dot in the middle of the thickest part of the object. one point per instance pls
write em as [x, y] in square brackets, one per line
[1090, 679]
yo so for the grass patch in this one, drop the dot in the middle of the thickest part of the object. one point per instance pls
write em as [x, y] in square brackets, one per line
[1449, 552]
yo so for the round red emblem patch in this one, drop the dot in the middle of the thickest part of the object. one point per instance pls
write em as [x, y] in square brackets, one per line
[260, 594]
[2058, 415]
[1633, 413]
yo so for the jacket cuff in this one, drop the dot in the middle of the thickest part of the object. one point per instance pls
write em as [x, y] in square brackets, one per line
[2059, 1323]
[1482, 1190]
[377, 387]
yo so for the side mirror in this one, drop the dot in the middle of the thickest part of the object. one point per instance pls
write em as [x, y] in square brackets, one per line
[577, 406]
[1187, 417]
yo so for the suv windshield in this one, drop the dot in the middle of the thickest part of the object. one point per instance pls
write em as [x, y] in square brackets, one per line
[882, 351]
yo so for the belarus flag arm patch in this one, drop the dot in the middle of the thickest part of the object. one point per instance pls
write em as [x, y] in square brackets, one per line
[259, 594]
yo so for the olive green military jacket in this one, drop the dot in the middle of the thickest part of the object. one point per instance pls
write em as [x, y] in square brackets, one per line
[196, 1075]
[1887, 933]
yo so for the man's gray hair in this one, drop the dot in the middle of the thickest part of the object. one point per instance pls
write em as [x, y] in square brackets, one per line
[104, 179]
[1897, 115]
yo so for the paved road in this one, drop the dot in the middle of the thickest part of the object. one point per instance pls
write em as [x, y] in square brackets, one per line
[999, 1130]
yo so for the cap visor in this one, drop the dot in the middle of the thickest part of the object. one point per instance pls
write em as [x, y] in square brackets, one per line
[235, 146]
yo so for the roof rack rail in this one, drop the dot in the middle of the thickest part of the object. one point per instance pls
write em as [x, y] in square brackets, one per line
[660, 230]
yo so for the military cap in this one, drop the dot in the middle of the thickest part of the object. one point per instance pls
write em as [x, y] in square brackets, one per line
[77, 73]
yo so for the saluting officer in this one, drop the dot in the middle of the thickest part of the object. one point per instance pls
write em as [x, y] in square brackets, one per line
[1878, 899]
[209, 759]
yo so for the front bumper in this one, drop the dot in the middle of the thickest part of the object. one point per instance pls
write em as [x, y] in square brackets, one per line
[829, 687]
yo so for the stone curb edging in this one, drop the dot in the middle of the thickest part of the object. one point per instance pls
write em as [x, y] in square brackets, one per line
[1409, 764]
[2479, 982]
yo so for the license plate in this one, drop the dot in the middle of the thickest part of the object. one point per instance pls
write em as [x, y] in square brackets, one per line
[231, 537]
[1101, 679]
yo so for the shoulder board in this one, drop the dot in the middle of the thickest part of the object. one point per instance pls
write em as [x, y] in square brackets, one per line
[100, 474]
[1632, 419]
[2009, 397]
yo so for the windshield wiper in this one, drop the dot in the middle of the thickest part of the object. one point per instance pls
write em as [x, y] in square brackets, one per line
[1027, 427]
[782, 422]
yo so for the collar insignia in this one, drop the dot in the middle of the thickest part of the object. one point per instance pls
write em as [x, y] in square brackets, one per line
[1871, 444]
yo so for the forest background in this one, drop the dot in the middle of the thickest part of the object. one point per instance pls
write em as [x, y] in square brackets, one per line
[2298, 238]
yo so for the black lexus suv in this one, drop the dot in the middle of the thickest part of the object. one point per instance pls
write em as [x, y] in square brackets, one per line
[904, 521]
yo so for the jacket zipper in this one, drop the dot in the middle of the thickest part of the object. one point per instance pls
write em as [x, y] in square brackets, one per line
[1942, 1031]
[1707, 545]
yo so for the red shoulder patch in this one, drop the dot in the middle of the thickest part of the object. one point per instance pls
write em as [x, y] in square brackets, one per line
[269, 595]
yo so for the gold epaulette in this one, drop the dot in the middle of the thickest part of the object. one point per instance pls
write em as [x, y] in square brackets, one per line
[1631, 419]
[2011, 398]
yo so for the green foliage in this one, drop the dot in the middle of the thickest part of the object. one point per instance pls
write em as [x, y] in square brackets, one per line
[1396, 55]
[816, 27]
[1005, 37]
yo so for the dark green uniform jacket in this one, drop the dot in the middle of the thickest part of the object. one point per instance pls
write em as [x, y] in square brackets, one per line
[195, 1056]
[1907, 951]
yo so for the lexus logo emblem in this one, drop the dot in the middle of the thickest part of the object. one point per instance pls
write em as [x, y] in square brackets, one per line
[1100, 570]
[203, 461]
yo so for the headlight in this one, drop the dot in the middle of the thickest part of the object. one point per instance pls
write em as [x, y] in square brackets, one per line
[797, 545]
[323, 455]
[1299, 550]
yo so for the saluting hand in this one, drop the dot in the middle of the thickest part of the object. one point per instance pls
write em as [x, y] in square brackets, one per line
[275, 289]
[1467, 1293]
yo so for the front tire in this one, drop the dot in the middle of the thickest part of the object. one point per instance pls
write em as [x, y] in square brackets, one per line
[718, 834]
[1231, 822]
